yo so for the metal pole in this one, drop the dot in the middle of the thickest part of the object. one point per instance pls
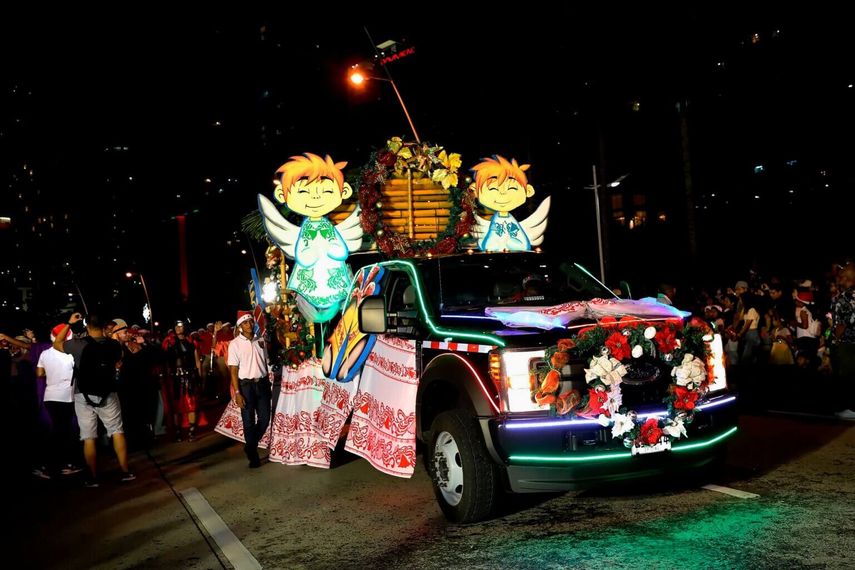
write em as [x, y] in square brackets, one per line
[599, 225]
[404, 107]
[79, 294]
[392, 81]
[148, 300]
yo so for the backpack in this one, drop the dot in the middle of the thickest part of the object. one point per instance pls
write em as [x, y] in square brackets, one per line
[96, 375]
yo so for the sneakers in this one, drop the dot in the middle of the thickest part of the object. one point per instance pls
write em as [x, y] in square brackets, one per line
[127, 477]
[846, 415]
[91, 484]
[41, 473]
[70, 470]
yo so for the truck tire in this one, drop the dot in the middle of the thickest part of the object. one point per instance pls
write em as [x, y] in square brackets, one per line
[466, 482]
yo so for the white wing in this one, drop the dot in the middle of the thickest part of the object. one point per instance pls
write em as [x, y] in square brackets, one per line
[350, 229]
[480, 229]
[535, 224]
[283, 233]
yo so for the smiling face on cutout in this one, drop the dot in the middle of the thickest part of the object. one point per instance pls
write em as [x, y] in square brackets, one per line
[316, 198]
[501, 185]
[312, 186]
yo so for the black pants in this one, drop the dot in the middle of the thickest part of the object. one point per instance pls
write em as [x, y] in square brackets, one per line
[843, 365]
[64, 447]
[255, 413]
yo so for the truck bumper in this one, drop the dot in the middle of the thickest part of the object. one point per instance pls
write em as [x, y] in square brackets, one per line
[556, 454]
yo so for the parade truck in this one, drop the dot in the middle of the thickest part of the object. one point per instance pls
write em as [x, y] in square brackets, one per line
[534, 377]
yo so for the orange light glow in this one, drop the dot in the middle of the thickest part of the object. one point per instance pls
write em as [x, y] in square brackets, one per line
[357, 78]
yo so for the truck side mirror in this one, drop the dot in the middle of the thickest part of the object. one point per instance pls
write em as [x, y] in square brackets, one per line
[372, 315]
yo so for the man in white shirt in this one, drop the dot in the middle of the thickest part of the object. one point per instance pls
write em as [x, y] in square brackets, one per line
[58, 369]
[252, 394]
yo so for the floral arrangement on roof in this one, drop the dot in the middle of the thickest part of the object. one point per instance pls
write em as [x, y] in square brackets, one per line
[421, 160]
[613, 348]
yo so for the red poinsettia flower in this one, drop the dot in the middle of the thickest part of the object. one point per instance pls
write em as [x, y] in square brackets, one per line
[650, 432]
[618, 346]
[566, 344]
[684, 399]
[608, 320]
[666, 340]
[596, 400]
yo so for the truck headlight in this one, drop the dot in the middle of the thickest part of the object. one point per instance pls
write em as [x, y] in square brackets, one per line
[516, 368]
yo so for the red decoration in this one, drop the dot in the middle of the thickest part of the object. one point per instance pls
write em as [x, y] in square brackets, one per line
[684, 399]
[618, 346]
[650, 432]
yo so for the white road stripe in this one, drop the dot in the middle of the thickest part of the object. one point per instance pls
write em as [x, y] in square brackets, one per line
[802, 414]
[232, 548]
[731, 492]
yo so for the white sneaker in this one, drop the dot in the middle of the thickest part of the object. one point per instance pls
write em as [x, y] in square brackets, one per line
[846, 415]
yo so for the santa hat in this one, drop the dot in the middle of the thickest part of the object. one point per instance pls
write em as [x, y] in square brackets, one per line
[805, 297]
[58, 329]
[243, 316]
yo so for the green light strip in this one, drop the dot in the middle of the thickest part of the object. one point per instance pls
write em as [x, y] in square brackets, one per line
[701, 444]
[410, 268]
[610, 456]
[546, 459]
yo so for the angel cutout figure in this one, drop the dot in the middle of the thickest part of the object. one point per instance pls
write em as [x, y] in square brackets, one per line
[314, 186]
[502, 186]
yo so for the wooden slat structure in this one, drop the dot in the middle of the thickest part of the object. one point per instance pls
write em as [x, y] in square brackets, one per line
[418, 208]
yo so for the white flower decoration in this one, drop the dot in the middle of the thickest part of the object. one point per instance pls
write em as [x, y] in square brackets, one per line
[649, 333]
[615, 400]
[637, 351]
[690, 373]
[676, 429]
[623, 424]
[603, 420]
[608, 370]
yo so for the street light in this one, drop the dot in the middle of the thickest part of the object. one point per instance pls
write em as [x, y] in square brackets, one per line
[358, 77]
[130, 274]
[596, 188]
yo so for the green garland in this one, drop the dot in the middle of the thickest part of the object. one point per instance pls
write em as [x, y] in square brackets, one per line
[610, 345]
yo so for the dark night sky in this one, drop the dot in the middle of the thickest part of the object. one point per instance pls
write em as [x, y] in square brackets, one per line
[553, 87]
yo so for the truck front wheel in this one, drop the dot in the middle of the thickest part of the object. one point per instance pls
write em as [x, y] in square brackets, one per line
[465, 480]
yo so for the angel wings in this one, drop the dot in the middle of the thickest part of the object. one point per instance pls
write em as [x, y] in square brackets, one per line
[285, 234]
[505, 233]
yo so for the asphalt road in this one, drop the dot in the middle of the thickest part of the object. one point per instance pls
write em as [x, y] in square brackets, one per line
[801, 467]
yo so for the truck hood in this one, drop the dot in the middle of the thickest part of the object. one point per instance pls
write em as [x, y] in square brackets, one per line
[535, 326]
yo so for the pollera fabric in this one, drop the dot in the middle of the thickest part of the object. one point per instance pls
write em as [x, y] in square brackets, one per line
[383, 428]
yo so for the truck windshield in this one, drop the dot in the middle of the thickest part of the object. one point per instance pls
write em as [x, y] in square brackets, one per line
[474, 282]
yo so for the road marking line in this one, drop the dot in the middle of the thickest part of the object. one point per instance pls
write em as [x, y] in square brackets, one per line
[731, 492]
[802, 414]
[232, 548]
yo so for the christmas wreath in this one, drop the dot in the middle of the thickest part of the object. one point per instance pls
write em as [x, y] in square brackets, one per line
[421, 160]
[614, 348]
